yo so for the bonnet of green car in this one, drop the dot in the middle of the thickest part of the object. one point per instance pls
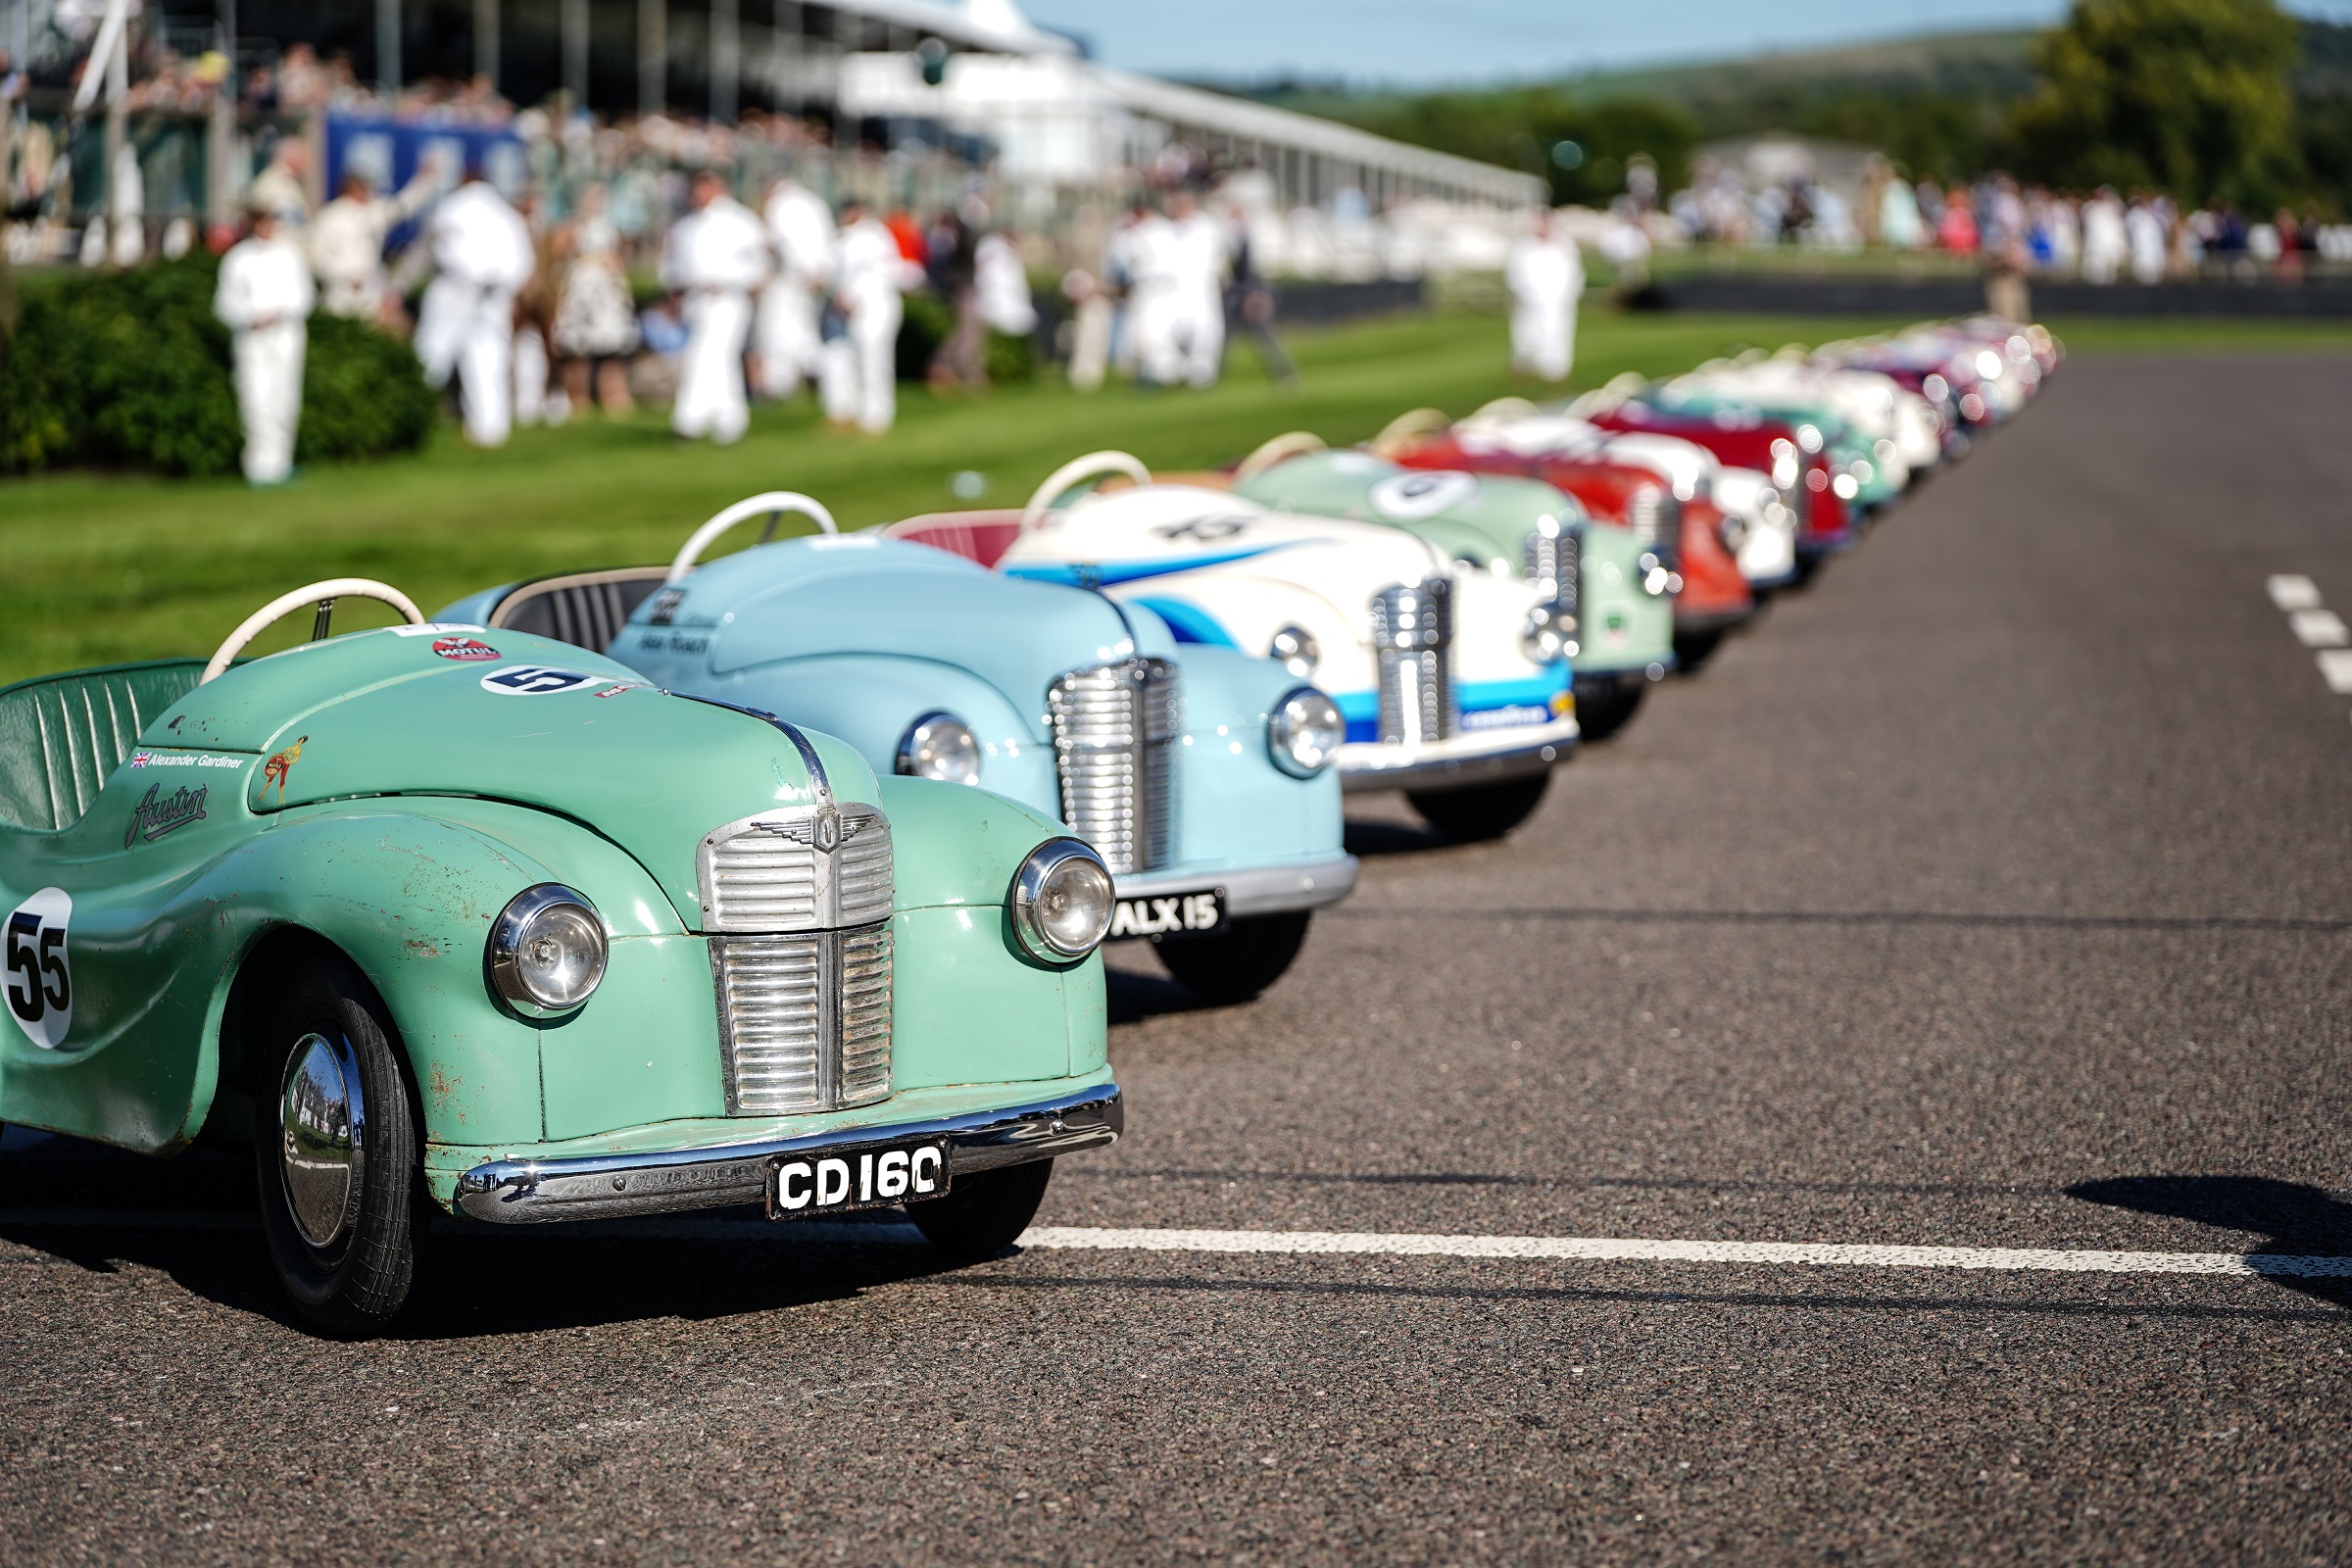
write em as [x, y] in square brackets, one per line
[503, 716]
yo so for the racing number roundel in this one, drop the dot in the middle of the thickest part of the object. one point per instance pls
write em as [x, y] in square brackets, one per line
[1423, 493]
[39, 977]
[536, 680]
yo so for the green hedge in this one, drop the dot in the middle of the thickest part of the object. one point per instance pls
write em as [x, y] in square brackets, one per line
[131, 371]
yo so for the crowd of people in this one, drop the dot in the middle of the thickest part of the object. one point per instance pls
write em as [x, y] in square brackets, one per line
[2103, 236]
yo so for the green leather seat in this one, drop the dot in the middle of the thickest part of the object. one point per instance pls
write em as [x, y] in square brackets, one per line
[62, 735]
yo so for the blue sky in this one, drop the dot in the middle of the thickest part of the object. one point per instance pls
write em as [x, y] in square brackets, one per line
[1473, 40]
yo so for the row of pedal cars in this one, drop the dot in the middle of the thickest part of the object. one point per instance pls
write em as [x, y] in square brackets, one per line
[652, 888]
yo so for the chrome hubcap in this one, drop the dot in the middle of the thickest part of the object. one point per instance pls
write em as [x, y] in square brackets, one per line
[320, 1125]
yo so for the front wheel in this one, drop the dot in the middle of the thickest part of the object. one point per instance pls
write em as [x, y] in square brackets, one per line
[1604, 704]
[1236, 964]
[335, 1152]
[1488, 812]
[1693, 648]
[985, 1213]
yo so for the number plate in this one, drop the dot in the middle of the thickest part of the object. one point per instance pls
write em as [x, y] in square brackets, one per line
[835, 1181]
[1169, 914]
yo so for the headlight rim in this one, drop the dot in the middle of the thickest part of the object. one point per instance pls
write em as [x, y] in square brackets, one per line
[1308, 651]
[1029, 882]
[1280, 755]
[904, 759]
[501, 954]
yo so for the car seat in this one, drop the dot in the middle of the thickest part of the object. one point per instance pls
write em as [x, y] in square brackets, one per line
[62, 735]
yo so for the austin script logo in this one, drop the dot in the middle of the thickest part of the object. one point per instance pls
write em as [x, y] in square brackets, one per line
[155, 816]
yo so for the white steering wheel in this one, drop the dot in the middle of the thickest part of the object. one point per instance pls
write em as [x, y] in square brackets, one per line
[1094, 465]
[771, 505]
[1297, 443]
[324, 595]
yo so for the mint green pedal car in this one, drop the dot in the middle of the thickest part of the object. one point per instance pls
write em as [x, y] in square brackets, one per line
[1609, 601]
[434, 916]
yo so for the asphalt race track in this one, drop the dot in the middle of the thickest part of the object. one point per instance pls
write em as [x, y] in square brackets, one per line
[1991, 895]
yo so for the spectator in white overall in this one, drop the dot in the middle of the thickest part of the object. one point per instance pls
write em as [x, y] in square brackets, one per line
[264, 297]
[860, 384]
[347, 243]
[482, 254]
[2105, 243]
[784, 336]
[1547, 277]
[1179, 311]
[716, 257]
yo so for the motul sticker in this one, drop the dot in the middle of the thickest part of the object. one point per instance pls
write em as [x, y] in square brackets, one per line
[465, 650]
[40, 975]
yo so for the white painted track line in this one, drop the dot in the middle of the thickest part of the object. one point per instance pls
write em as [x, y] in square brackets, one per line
[2319, 629]
[2336, 668]
[1331, 1243]
[2292, 591]
[1801, 1254]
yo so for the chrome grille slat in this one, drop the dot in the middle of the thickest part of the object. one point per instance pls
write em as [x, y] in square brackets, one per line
[1115, 728]
[1412, 633]
[797, 905]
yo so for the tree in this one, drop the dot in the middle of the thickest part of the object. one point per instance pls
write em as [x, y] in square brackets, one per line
[2189, 96]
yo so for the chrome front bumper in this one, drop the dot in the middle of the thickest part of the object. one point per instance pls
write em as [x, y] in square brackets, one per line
[1462, 761]
[1254, 889]
[532, 1192]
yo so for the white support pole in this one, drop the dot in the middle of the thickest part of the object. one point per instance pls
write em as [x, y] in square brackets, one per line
[653, 56]
[387, 47]
[726, 58]
[485, 40]
[574, 27]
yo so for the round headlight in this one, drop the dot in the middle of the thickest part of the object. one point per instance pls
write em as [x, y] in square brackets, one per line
[1295, 649]
[1548, 635]
[940, 746]
[1303, 732]
[546, 950]
[1061, 900]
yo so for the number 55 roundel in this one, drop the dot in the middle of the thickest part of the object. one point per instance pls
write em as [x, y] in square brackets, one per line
[40, 983]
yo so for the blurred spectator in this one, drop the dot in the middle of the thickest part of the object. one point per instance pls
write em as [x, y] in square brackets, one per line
[537, 399]
[716, 258]
[1090, 329]
[346, 243]
[264, 297]
[1547, 277]
[1249, 304]
[961, 360]
[2106, 243]
[596, 323]
[785, 332]
[1003, 283]
[871, 273]
[483, 255]
[2145, 239]
[1956, 231]
[280, 185]
[1179, 291]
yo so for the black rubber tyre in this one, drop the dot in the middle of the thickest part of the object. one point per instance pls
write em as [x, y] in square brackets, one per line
[1603, 706]
[1488, 812]
[984, 1213]
[1237, 963]
[1693, 648]
[353, 1285]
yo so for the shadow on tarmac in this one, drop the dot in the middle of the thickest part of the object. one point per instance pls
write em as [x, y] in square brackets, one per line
[2298, 1221]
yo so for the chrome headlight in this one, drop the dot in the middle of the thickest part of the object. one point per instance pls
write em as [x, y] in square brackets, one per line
[546, 950]
[1061, 900]
[1295, 650]
[940, 746]
[1549, 634]
[1304, 731]
[1658, 579]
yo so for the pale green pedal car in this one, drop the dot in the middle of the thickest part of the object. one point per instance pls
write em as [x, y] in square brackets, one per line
[430, 916]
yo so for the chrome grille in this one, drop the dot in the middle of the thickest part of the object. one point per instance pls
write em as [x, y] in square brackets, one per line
[803, 1019]
[1412, 633]
[864, 1007]
[771, 1015]
[1555, 563]
[1656, 518]
[796, 871]
[1114, 745]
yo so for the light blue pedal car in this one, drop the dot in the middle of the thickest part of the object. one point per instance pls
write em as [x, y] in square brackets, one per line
[1202, 776]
